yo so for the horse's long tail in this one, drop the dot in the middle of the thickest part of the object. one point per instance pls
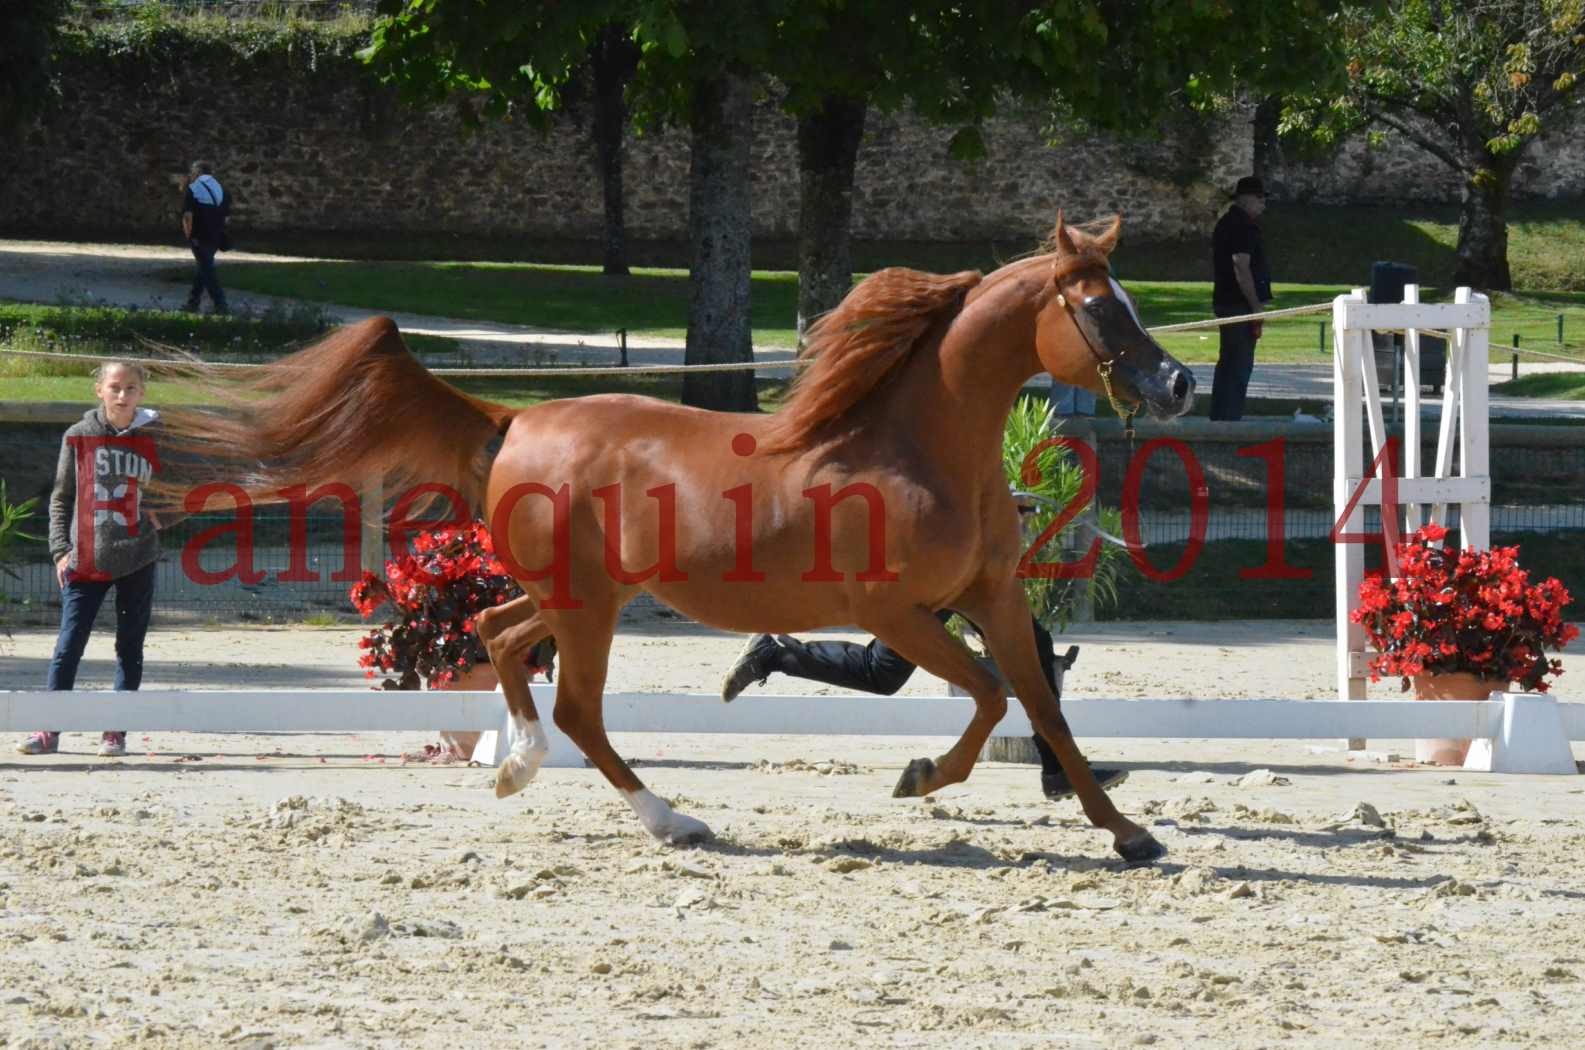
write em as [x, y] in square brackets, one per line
[354, 406]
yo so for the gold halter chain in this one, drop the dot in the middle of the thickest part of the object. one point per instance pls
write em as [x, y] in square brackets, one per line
[1127, 416]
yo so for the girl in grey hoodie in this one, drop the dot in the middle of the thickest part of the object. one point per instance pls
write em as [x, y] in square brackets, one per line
[101, 537]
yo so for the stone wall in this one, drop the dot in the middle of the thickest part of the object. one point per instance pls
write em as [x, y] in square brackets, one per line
[328, 151]
[1395, 172]
[335, 153]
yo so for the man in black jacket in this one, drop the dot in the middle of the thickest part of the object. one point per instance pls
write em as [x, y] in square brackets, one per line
[1242, 286]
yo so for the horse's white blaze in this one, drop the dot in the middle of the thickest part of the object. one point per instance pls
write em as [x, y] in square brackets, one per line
[1127, 299]
[663, 822]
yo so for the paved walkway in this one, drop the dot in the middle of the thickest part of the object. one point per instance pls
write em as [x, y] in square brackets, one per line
[139, 276]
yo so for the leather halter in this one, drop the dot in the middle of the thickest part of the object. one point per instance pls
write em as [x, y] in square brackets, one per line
[1087, 321]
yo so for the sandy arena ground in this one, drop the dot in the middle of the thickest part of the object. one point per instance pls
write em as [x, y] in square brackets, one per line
[254, 891]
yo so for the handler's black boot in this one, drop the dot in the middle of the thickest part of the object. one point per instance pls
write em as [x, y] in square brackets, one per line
[1056, 787]
[761, 656]
[1054, 782]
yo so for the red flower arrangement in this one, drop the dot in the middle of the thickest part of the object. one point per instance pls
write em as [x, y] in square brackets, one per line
[1465, 611]
[451, 576]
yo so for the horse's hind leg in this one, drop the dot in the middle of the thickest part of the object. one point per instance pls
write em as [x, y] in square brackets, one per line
[509, 632]
[583, 642]
[920, 637]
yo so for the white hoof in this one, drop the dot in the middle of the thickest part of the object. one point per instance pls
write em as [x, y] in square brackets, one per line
[515, 774]
[665, 823]
[522, 763]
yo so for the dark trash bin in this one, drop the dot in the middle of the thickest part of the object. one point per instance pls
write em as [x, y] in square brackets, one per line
[1387, 282]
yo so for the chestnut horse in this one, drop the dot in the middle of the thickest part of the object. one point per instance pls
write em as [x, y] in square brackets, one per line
[874, 497]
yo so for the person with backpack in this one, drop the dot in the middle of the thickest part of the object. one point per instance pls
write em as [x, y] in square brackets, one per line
[205, 206]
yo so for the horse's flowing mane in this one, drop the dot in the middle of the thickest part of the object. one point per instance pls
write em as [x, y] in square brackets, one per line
[857, 345]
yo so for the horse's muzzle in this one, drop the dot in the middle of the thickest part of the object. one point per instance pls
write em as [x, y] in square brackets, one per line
[1168, 392]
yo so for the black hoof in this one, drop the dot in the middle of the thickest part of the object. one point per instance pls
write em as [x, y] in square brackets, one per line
[912, 783]
[1142, 849]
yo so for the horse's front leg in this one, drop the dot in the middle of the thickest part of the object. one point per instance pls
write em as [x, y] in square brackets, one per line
[921, 638]
[1004, 621]
[509, 633]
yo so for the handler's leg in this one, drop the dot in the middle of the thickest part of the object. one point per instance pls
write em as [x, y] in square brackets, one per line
[1053, 781]
[872, 668]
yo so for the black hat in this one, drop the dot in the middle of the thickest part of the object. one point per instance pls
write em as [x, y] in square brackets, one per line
[1250, 184]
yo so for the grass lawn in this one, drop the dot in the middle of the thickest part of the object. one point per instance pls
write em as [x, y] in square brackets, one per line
[654, 302]
[1309, 244]
[1563, 386]
[90, 334]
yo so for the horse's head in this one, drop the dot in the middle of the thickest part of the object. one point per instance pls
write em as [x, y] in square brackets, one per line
[1090, 335]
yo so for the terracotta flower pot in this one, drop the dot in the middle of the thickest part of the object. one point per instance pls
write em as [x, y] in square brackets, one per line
[1460, 686]
[481, 677]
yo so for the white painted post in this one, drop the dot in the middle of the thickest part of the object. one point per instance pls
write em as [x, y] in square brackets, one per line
[1349, 349]
[1474, 427]
[1452, 405]
[1411, 409]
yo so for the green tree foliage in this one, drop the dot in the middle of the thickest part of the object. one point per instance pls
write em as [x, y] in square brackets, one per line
[27, 42]
[1113, 65]
[1471, 82]
[695, 65]
[1110, 63]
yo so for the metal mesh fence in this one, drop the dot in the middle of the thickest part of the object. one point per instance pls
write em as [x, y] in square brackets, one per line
[1237, 569]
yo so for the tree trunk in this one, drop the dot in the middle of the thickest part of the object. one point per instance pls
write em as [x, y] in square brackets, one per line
[1483, 223]
[828, 149]
[1264, 127]
[614, 58]
[719, 225]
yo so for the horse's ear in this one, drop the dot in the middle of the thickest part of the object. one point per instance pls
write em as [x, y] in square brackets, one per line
[1062, 239]
[1106, 240]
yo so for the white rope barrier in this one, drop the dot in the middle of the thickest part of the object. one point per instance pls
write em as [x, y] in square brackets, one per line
[1218, 322]
[161, 364]
[629, 370]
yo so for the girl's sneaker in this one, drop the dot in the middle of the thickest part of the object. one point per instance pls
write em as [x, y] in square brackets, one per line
[41, 743]
[113, 745]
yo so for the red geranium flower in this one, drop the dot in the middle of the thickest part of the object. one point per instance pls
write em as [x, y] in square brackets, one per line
[1470, 611]
[431, 637]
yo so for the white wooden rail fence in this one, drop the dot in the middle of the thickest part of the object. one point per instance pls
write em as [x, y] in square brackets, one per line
[1525, 733]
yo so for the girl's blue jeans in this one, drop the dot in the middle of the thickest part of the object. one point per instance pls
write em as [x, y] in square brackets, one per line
[80, 602]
